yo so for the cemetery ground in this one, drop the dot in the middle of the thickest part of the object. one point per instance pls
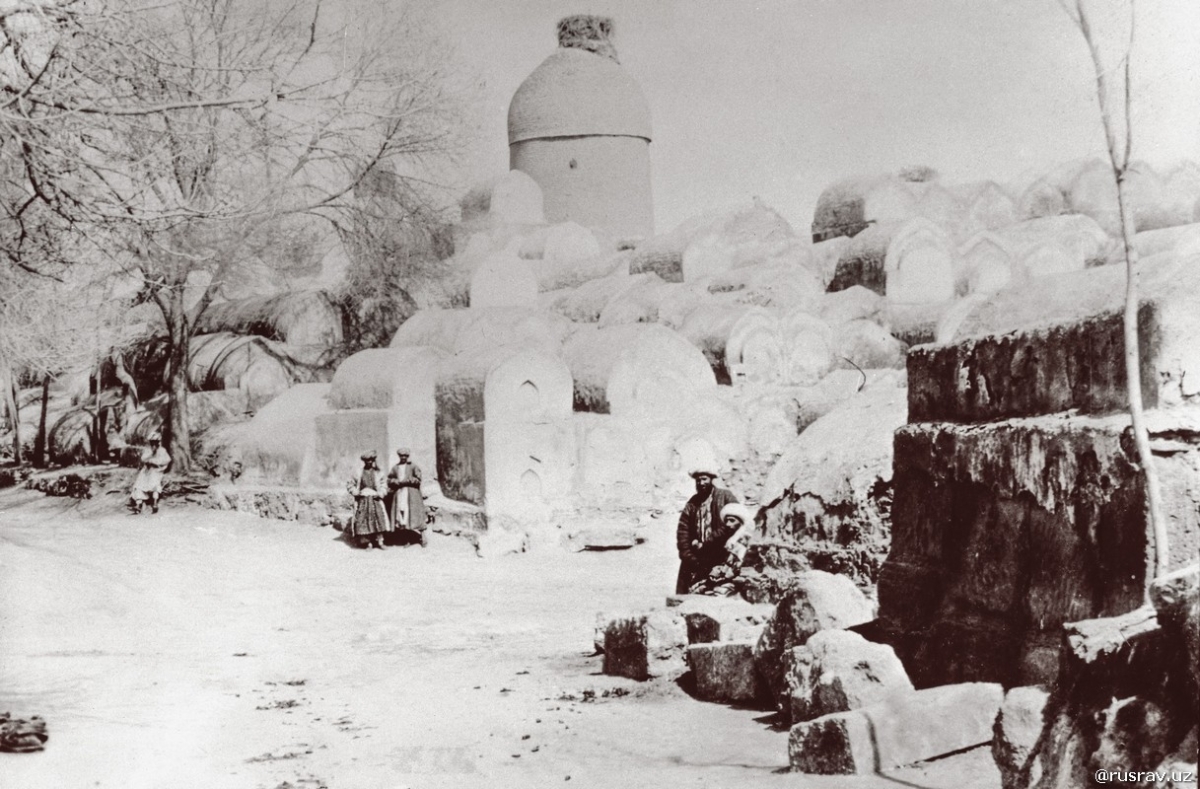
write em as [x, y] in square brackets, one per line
[198, 648]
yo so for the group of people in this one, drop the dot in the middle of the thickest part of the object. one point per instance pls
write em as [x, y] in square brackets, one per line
[387, 505]
[713, 532]
[712, 536]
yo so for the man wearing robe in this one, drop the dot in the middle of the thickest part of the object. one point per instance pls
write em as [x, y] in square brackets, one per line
[147, 486]
[701, 534]
[405, 504]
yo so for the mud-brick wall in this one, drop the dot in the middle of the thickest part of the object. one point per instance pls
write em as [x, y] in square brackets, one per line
[1019, 504]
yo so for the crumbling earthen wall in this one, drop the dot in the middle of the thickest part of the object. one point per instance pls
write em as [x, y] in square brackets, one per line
[1019, 502]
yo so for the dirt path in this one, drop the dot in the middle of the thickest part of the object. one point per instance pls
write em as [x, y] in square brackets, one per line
[205, 649]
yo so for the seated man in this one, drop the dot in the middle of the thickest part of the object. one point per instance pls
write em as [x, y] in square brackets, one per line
[720, 582]
[148, 485]
[701, 535]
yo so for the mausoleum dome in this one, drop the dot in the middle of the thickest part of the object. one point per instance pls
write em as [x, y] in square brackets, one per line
[576, 93]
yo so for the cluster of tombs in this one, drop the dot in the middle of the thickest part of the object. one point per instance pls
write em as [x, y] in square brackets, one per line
[993, 468]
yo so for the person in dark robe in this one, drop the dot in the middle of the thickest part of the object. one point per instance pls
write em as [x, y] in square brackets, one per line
[370, 520]
[405, 504]
[701, 534]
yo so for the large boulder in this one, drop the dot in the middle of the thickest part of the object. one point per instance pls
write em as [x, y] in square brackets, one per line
[829, 495]
[839, 670]
[818, 601]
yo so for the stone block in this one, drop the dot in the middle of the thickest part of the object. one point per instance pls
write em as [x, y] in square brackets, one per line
[1078, 366]
[1054, 346]
[818, 601]
[724, 671]
[839, 670]
[723, 618]
[838, 744]
[600, 539]
[985, 517]
[1018, 727]
[934, 722]
[906, 729]
[646, 646]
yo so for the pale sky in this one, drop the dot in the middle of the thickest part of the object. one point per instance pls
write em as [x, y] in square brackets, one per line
[779, 98]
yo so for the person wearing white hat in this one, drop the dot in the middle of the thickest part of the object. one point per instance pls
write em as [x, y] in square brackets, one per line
[147, 486]
[722, 579]
[701, 534]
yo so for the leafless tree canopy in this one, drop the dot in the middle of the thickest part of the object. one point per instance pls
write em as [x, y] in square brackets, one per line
[165, 140]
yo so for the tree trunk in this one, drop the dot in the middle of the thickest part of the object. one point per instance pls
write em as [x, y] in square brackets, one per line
[177, 439]
[99, 422]
[1133, 379]
[12, 397]
[39, 443]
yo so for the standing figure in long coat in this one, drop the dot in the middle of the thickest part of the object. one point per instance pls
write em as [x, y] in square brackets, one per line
[148, 484]
[370, 521]
[701, 534]
[405, 504]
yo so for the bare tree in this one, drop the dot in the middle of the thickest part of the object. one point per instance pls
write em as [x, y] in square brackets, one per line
[52, 326]
[176, 136]
[1111, 65]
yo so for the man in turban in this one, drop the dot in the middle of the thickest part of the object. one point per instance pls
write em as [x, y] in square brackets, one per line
[405, 504]
[701, 534]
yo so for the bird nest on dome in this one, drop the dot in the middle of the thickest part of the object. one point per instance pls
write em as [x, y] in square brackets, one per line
[584, 31]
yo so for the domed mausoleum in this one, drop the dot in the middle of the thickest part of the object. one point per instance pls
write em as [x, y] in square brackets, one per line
[580, 127]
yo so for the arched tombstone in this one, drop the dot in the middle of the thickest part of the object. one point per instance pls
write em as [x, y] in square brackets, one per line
[808, 344]
[991, 208]
[504, 279]
[986, 264]
[654, 372]
[941, 207]
[528, 436]
[919, 264]
[710, 326]
[1041, 199]
[754, 350]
